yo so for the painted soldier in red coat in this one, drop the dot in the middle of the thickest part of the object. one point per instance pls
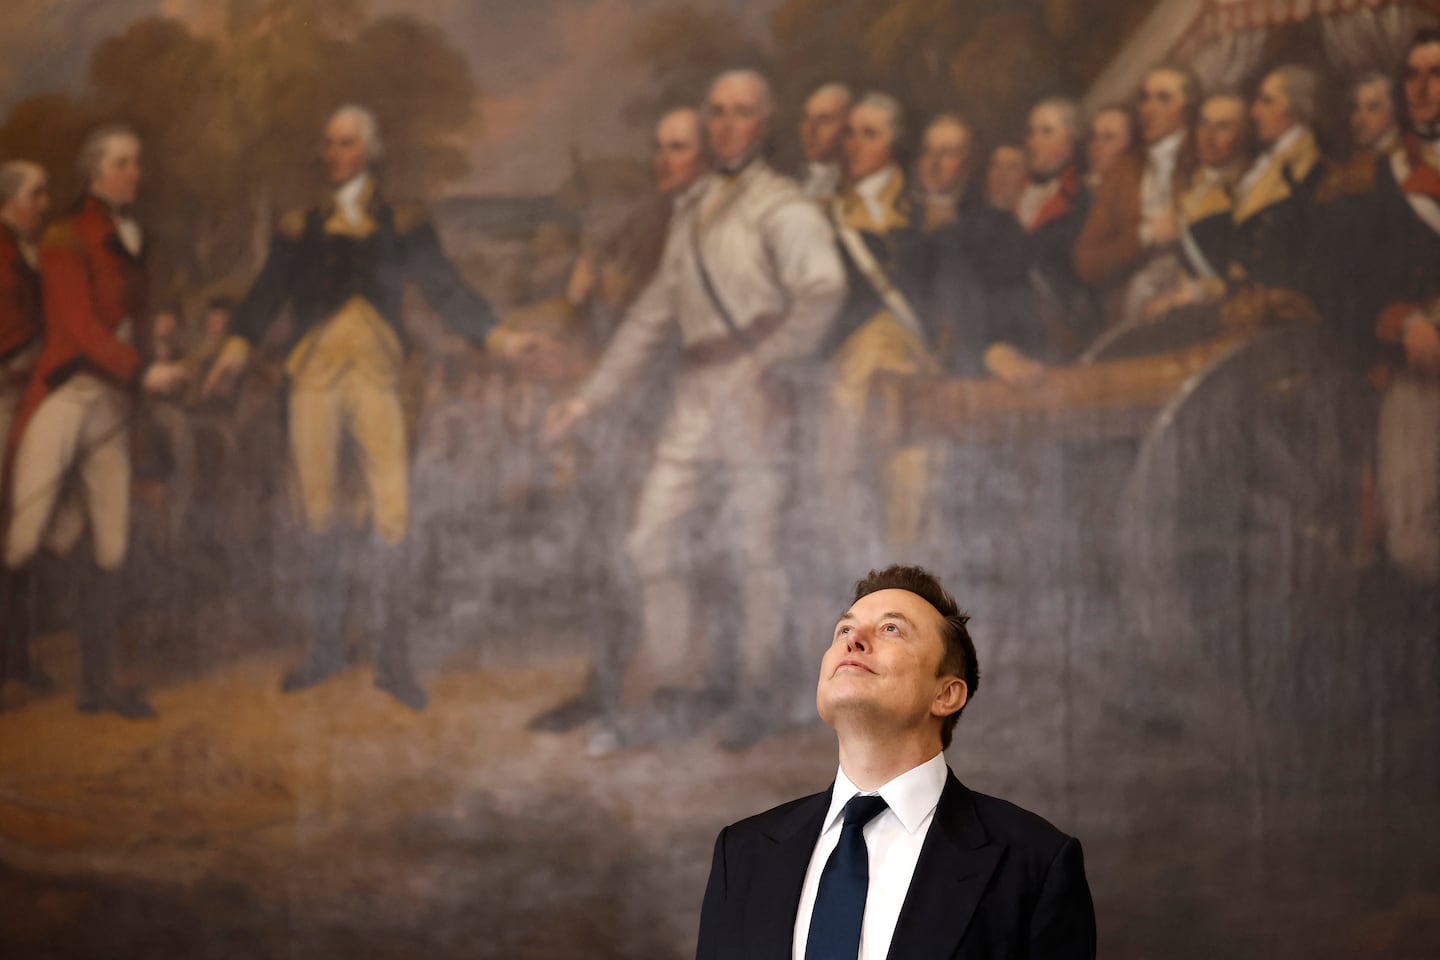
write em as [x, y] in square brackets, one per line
[72, 431]
[24, 201]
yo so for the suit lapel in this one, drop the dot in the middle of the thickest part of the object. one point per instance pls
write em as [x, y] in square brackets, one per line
[779, 875]
[954, 869]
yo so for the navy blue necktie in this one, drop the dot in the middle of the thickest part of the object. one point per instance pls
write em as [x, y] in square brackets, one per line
[840, 901]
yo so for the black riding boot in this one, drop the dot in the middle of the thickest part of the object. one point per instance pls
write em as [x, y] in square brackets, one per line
[389, 590]
[97, 629]
[322, 608]
[17, 630]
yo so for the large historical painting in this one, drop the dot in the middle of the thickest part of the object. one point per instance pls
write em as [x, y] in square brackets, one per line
[392, 570]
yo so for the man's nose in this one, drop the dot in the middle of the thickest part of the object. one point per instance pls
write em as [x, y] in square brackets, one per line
[859, 640]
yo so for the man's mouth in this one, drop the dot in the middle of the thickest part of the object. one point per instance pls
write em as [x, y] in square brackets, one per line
[856, 664]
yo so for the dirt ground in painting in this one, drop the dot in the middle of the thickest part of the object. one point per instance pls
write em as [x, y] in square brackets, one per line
[246, 823]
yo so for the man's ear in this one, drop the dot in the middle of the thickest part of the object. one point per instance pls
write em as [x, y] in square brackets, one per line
[950, 698]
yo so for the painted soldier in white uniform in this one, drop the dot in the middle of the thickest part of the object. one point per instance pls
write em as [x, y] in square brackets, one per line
[751, 281]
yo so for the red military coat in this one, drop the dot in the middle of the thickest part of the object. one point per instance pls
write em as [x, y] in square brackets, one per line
[20, 317]
[91, 283]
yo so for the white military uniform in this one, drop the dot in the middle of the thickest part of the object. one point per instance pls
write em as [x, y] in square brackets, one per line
[768, 251]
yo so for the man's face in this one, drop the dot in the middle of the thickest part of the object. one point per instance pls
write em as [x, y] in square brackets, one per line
[1271, 111]
[342, 150]
[1220, 132]
[117, 178]
[883, 663]
[944, 158]
[735, 120]
[867, 142]
[822, 125]
[1109, 139]
[1422, 84]
[1371, 114]
[1005, 177]
[27, 208]
[678, 159]
[1161, 105]
[1048, 147]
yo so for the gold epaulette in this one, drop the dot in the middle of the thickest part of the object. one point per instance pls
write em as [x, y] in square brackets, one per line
[1355, 176]
[292, 223]
[408, 215]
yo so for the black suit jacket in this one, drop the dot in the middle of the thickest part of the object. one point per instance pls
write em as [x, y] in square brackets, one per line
[992, 881]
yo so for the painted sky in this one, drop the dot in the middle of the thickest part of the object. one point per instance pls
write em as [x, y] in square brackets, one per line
[553, 73]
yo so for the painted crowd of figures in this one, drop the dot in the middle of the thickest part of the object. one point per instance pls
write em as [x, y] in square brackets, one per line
[773, 304]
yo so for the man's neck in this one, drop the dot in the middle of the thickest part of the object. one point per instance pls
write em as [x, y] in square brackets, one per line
[1166, 146]
[872, 759]
[119, 209]
[733, 168]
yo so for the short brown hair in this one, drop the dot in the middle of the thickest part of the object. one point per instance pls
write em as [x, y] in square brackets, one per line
[959, 657]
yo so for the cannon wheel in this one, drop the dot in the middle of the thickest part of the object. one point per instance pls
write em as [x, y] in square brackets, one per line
[1238, 525]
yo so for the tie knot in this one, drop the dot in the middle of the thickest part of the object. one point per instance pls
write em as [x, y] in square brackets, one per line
[861, 810]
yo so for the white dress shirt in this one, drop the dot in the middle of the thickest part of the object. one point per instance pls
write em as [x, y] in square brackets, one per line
[893, 840]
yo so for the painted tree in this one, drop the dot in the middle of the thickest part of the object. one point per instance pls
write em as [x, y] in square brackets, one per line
[231, 123]
[683, 48]
[987, 58]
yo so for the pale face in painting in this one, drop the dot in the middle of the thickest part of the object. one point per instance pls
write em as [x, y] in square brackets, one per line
[1271, 111]
[1422, 84]
[1048, 146]
[117, 176]
[1109, 139]
[736, 119]
[679, 156]
[868, 141]
[1371, 113]
[944, 157]
[823, 125]
[343, 150]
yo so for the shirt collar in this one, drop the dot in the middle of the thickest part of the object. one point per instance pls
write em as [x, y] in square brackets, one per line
[1286, 141]
[348, 196]
[872, 186]
[912, 796]
[1165, 151]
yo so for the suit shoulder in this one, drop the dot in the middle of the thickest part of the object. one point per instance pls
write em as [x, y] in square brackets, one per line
[292, 223]
[1017, 826]
[762, 822]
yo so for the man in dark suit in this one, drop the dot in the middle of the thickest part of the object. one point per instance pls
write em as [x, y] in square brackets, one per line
[897, 859]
